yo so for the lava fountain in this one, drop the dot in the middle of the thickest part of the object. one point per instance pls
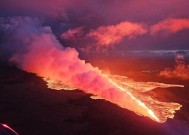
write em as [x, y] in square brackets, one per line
[33, 47]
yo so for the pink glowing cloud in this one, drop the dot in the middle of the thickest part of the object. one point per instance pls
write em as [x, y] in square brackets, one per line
[114, 34]
[72, 34]
[170, 26]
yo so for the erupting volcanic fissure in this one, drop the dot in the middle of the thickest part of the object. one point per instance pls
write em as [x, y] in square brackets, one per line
[156, 110]
[37, 50]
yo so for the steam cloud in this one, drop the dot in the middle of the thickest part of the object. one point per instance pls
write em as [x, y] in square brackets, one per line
[181, 69]
[34, 48]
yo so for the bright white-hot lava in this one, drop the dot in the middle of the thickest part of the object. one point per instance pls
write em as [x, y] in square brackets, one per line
[156, 110]
[150, 112]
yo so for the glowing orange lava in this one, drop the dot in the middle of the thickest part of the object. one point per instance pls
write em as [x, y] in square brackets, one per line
[150, 112]
[146, 105]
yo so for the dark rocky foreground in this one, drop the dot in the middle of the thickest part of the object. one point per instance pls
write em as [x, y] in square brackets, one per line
[29, 107]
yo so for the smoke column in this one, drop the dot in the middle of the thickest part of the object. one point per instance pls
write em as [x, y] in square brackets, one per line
[181, 69]
[34, 48]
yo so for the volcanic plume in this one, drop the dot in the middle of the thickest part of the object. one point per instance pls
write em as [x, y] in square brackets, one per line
[32, 46]
[181, 69]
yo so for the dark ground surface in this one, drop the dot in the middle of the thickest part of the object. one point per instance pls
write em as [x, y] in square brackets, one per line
[29, 107]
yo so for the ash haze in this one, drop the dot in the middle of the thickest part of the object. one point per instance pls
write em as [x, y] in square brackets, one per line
[130, 55]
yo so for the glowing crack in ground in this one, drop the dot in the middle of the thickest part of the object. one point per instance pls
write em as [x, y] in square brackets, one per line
[157, 111]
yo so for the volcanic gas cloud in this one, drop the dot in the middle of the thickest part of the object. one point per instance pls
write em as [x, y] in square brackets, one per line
[34, 48]
[181, 69]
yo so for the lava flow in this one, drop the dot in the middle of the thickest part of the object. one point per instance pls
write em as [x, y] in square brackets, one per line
[157, 111]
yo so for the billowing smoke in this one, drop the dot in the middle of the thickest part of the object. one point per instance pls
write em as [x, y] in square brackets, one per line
[34, 48]
[181, 69]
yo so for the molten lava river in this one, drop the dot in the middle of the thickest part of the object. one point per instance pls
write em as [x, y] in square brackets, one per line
[146, 105]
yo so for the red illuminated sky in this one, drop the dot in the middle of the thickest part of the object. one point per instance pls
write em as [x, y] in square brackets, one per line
[165, 22]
